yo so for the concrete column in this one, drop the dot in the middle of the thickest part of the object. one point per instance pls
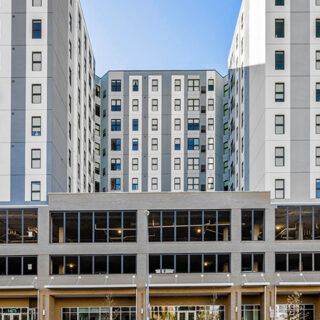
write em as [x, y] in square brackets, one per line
[234, 312]
[141, 304]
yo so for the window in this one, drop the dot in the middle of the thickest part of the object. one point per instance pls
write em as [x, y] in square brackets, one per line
[252, 262]
[297, 262]
[279, 157]
[70, 131]
[177, 183]
[35, 190]
[135, 105]
[177, 124]
[115, 145]
[193, 183]
[279, 92]
[317, 28]
[135, 164]
[154, 144]
[115, 125]
[210, 183]
[177, 143]
[210, 124]
[252, 225]
[279, 189]
[193, 124]
[279, 60]
[155, 85]
[317, 156]
[35, 158]
[154, 164]
[96, 148]
[135, 85]
[318, 124]
[211, 85]
[115, 105]
[36, 126]
[135, 144]
[36, 61]
[155, 104]
[177, 85]
[318, 60]
[96, 129]
[135, 125]
[115, 164]
[154, 124]
[210, 143]
[225, 128]
[193, 85]
[36, 93]
[70, 76]
[36, 3]
[279, 28]
[210, 163]
[279, 124]
[318, 188]
[177, 163]
[18, 265]
[36, 29]
[193, 104]
[279, 2]
[115, 184]
[225, 148]
[210, 104]
[193, 144]
[318, 91]
[115, 85]
[193, 163]
[317, 2]
[135, 184]
[177, 104]
[154, 184]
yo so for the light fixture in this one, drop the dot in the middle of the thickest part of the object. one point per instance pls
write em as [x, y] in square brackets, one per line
[119, 231]
[206, 263]
[199, 230]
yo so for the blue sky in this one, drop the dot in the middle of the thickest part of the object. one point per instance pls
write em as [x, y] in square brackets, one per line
[161, 34]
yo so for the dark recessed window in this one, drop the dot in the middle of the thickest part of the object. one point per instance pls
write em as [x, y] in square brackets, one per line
[279, 60]
[36, 29]
[279, 28]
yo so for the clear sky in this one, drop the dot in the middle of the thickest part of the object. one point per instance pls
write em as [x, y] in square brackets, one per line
[161, 34]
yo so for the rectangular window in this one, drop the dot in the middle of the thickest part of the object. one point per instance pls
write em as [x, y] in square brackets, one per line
[317, 60]
[35, 191]
[210, 183]
[155, 104]
[36, 61]
[135, 184]
[135, 164]
[177, 124]
[225, 148]
[318, 91]
[115, 105]
[177, 85]
[279, 60]
[279, 189]
[135, 105]
[210, 163]
[155, 85]
[177, 183]
[317, 156]
[36, 93]
[279, 157]
[225, 128]
[317, 28]
[154, 164]
[252, 262]
[154, 184]
[211, 85]
[36, 29]
[210, 104]
[36, 3]
[193, 85]
[115, 184]
[279, 92]
[193, 144]
[115, 85]
[115, 145]
[135, 85]
[193, 163]
[115, 164]
[193, 183]
[210, 143]
[177, 163]
[193, 124]
[177, 104]
[193, 104]
[318, 188]
[318, 124]
[279, 28]
[177, 144]
[36, 126]
[115, 125]
[154, 124]
[279, 2]
[210, 124]
[279, 124]
[154, 144]
[135, 144]
[135, 125]
[252, 225]
[35, 158]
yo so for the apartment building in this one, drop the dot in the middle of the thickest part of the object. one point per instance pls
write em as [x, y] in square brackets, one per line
[222, 255]
[47, 101]
[273, 82]
[161, 131]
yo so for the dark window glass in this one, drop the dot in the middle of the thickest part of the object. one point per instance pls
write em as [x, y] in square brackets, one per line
[306, 223]
[279, 2]
[195, 263]
[57, 227]
[182, 225]
[168, 226]
[15, 226]
[72, 227]
[210, 226]
[209, 263]
[246, 262]
[317, 28]
[223, 263]
[85, 265]
[129, 226]
[246, 225]
[14, 266]
[316, 223]
[168, 262]
[114, 264]
[181, 263]
[3, 227]
[294, 262]
[258, 262]
[36, 29]
[100, 226]
[116, 85]
[281, 262]
[279, 60]
[316, 262]
[57, 265]
[258, 225]
[281, 223]
[115, 230]
[154, 264]
[3, 268]
[71, 265]
[306, 262]
[30, 226]
[279, 28]
[129, 264]
[100, 265]
[154, 226]
[224, 225]
[196, 226]
[85, 226]
[294, 223]
[30, 266]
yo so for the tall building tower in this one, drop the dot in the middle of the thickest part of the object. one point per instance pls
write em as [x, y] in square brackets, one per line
[162, 131]
[274, 85]
[47, 100]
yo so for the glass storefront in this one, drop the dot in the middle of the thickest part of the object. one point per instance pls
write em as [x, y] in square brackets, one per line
[298, 312]
[18, 314]
[99, 313]
[250, 312]
[212, 312]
